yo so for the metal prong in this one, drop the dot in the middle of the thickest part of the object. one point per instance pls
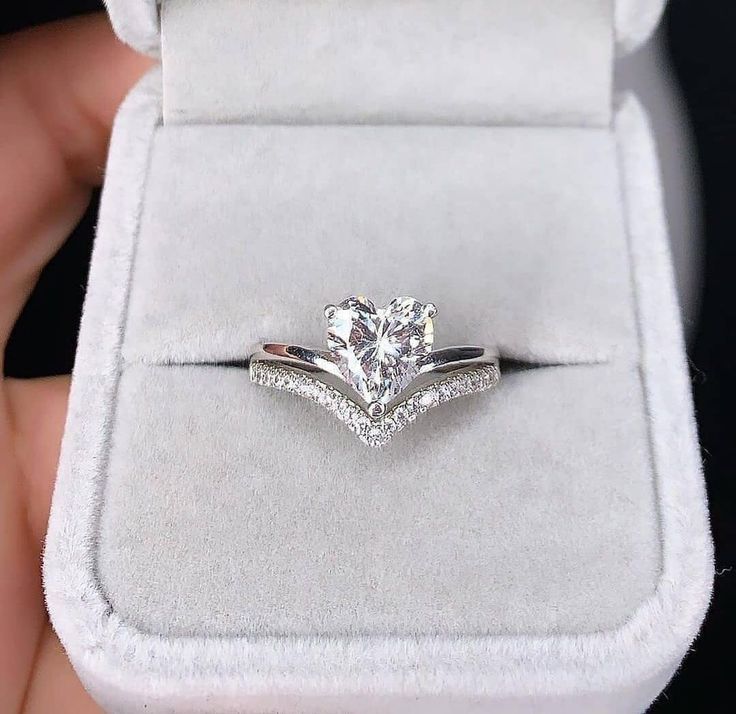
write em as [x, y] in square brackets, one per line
[376, 410]
[431, 309]
[330, 311]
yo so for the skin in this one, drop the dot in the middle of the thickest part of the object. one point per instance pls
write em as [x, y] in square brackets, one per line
[60, 86]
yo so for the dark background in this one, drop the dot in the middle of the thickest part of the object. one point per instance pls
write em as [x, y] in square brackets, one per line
[701, 45]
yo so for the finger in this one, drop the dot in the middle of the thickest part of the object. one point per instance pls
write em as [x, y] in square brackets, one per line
[54, 685]
[37, 408]
[60, 86]
[32, 421]
[21, 597]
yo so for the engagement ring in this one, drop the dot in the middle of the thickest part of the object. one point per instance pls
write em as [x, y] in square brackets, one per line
[379, 371]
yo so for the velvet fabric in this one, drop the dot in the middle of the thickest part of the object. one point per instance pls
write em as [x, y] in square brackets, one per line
[137, 23]
[217, 547]
[414, 61]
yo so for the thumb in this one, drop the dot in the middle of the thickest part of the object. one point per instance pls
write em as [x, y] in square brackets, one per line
[60, 85]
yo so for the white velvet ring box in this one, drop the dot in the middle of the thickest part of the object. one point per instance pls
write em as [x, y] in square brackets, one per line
[218, 547]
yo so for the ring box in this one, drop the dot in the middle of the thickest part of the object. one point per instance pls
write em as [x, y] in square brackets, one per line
[216, 547]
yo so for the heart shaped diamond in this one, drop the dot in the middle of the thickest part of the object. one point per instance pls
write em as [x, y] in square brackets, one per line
[378, 350]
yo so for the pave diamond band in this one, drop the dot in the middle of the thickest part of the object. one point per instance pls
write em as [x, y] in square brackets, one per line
[379, 371]
[374, 432]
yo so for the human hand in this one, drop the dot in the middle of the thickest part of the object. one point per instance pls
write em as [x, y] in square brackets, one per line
[60, 86]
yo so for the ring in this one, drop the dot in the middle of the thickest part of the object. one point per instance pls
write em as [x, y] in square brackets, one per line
[379, 371]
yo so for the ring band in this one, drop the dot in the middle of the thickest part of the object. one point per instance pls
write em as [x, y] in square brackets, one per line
[379, 372]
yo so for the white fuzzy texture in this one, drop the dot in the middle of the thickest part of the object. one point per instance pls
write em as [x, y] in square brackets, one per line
[303, 216]
[136, 22]
[453, 529]
[619, 668]
[484, 611]
[387, 62]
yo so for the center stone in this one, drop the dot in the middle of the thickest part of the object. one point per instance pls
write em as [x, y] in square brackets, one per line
[377, 350]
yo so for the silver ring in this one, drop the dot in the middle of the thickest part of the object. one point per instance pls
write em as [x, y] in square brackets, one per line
[379, 371]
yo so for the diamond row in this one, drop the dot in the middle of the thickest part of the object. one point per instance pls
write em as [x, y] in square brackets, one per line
[374, 432]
